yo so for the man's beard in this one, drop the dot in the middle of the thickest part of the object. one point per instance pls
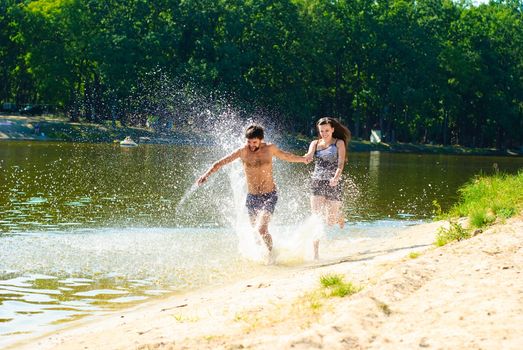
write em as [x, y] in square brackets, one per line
[254, 148]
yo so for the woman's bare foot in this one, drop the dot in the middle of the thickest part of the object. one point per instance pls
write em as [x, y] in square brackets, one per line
[341, 222]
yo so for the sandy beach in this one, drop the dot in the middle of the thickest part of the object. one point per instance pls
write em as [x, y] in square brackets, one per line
[465, 295]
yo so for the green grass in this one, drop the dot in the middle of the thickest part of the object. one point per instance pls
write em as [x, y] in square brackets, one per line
[414, 255]
[182, 318]
[455, 232]
[335, 286]
[487, 198]
[484, 200]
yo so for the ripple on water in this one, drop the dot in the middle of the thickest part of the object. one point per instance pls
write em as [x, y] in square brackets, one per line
[47, 278]
[53, 277]
[124, 300]
[100, 292]
[35, 200]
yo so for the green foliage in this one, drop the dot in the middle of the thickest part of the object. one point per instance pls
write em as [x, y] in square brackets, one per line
[334, 286]
[437, 211]
[455, 232]
[487, 198]
[484, 200]
[424, 71]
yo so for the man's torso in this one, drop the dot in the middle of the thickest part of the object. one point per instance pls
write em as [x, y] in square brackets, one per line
[258, 169]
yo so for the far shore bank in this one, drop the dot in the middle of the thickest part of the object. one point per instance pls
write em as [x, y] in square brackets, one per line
[465, 295]
[48, 128]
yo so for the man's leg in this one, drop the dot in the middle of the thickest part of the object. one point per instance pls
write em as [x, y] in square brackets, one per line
[263, 228]
[260, 209]
[260, 221]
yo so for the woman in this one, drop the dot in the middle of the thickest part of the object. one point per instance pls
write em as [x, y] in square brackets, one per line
[328, 152]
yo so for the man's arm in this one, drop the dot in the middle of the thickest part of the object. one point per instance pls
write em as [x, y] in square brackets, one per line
[289, 157]
[312, 148]
[218, 164]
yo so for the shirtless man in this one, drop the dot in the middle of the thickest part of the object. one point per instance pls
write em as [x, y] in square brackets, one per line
[262, 195]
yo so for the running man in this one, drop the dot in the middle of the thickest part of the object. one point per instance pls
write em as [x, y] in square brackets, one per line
[262, 195]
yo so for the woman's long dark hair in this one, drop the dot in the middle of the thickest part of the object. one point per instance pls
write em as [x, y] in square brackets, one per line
[340, 131]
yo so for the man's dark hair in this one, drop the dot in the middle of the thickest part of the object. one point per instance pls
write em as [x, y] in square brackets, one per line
[254, 132]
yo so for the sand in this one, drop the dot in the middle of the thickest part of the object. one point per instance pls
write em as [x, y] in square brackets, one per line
[465, 295]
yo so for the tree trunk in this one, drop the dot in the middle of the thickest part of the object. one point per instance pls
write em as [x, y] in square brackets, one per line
[445, 127]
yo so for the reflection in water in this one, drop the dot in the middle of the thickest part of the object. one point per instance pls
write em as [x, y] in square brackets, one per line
[374, 165]
[34, 303]
[374, 170]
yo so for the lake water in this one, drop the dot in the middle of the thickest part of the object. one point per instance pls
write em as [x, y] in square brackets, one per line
[89, 227]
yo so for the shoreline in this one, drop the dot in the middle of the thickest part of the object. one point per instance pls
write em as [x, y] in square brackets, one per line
[467, 294]
[15, 127]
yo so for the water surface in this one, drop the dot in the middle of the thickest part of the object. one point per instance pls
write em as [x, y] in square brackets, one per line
[90, 227]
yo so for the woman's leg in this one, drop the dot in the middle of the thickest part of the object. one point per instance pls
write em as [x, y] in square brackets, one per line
[318, 205]
[317, 208]
[341, 216]
[333, 212]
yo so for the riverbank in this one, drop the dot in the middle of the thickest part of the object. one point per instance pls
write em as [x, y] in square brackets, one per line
[467, 294]
[46, 128]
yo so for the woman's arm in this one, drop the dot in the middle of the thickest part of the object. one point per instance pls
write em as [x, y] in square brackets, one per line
[340, 145]
[312, 148]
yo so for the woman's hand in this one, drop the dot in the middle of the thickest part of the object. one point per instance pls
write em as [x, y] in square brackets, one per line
[333, 182]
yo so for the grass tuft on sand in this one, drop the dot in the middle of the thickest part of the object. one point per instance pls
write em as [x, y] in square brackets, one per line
[335, 286]
[484, 200]
[488, 198]
[455, 232]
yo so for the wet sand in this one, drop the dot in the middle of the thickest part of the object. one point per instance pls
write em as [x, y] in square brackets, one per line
[465, 295]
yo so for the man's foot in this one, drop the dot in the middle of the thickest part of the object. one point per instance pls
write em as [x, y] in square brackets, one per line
[270, 258]
[268, 240]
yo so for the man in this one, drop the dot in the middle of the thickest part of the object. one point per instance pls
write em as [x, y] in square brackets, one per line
[262, 195]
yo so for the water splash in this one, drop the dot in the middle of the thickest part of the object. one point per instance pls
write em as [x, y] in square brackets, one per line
[186, 196]
[228, 187]
[294, 243]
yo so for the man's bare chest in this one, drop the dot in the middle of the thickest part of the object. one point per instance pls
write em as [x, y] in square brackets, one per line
[257, 159]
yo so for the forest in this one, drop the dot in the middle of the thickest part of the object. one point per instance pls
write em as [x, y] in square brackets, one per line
[422, 71]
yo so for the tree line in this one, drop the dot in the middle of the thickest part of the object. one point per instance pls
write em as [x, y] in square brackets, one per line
[439, 71]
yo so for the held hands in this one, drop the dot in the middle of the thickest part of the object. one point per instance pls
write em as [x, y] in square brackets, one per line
[307, 159]
[333, 182]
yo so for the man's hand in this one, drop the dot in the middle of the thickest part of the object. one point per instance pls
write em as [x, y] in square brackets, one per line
[202, 179]
[308, 159]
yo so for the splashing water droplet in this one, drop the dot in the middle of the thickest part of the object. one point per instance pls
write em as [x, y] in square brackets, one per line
[185, 196]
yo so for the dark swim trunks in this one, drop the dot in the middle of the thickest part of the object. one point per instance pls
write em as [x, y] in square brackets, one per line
[258, 202]
[323, 189]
